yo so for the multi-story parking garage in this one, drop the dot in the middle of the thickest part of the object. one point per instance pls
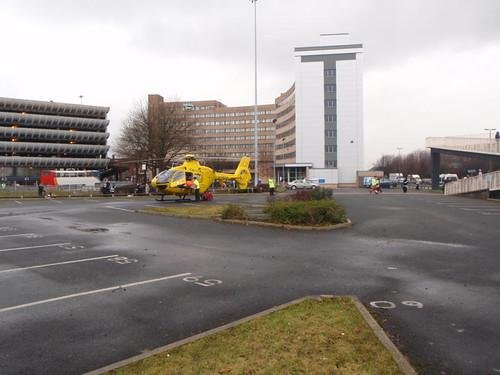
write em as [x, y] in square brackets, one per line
[38, 135]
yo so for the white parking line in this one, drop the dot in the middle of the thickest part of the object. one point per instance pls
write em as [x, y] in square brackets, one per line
[18, 202]
[17, 235]
[121, 209]
[34, 247]
[116, 287]
[57, 264]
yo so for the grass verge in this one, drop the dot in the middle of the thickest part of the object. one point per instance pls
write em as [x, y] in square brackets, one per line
[326, 336]
[199, 211]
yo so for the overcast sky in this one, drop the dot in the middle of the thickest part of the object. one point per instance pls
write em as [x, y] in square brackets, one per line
[432, 68]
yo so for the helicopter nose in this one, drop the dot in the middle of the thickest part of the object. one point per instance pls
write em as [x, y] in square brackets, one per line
[153, 183]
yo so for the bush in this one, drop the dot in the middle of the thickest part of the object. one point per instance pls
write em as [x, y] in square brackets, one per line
[322, 193]
[314, 212]
[234, 211]
[312, 195]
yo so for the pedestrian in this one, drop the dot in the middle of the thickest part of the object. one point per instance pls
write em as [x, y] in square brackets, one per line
[41, 191]
[480, 173]
[374, 185]
[196, 188]
[405, 185]
[271, 186]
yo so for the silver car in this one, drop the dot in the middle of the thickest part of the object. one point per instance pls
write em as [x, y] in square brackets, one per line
[302, 184]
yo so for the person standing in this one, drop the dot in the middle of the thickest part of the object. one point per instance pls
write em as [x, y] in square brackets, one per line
[196, 188]
[405, 185]
[271, 186]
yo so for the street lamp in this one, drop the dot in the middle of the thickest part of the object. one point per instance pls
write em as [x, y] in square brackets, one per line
[81, 98]
[256, 147]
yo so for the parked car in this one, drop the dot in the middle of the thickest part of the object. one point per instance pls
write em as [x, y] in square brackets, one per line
[385, 183]
[302, 184]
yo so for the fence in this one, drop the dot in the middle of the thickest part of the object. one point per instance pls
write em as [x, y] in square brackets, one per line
[466, 144]
[488, 181]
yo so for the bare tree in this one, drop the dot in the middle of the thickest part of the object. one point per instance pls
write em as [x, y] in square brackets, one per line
[158, 133]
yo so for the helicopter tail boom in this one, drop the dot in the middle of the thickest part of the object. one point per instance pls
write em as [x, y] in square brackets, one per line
[242, 174]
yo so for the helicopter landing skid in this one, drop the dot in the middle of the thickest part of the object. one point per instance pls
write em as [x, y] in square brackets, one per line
[179, 200]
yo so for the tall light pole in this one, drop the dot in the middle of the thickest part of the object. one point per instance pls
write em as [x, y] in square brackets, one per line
[81, 98]
[256, 145]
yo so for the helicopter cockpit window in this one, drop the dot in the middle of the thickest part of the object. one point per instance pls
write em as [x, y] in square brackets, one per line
[179, 175]
[165, 176]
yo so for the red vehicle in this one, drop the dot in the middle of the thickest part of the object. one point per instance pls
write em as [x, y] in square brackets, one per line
[71, 179]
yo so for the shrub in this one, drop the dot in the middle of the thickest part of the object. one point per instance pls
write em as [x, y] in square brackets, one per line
[322, 193]
[314, 212]
[312, 195]
[234, 211]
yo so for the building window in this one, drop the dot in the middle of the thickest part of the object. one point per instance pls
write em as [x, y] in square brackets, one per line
[329, 72]
[330, 118]
[330, 148]
[330, 103]
[330, 133]
[330, 87]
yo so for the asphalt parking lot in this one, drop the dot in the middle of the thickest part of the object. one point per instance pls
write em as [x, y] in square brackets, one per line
[88, 282]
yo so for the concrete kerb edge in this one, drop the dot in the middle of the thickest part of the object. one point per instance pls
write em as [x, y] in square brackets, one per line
[402, 362]
[347, 224]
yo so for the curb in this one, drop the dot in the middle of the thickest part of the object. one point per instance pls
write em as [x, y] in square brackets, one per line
[402, 362]
[347, 224]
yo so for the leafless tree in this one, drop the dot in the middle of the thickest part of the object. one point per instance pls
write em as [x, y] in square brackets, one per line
[157, 134]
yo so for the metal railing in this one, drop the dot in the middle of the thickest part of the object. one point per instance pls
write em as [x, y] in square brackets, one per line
[485, 182]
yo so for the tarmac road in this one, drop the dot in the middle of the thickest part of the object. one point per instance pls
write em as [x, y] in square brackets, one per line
[88, 282]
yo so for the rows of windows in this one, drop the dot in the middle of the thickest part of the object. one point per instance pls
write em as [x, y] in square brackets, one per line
[229, 114]
[330, 118]
[330, 133]
[286, 134]
[331, 87]
[236, 146]
[331, 148]
[236, 138]
[231, 130]
[233, 154]
[331, 163]
[232, 122]
[285, 145]
[330, 72]
[286, 122]
[330, 103]
[290, 155]
[285, 111]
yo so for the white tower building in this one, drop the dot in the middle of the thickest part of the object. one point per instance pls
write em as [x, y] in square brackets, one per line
[329, 109]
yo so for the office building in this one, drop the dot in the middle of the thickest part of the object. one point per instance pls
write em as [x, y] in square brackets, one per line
[313, 130]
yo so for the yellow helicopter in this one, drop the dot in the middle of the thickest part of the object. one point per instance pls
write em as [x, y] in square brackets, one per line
[179, 180]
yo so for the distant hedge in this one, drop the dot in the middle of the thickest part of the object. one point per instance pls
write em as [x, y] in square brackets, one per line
[306, 212]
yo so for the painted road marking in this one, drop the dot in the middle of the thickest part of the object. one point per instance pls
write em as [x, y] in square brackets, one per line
[34, 247]
[433, 243]
[18, 202]
[392, 305]
[18, 235]
[480, 209]
[7, 229]
[57, 264]
[116, 287]
[120, 209]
